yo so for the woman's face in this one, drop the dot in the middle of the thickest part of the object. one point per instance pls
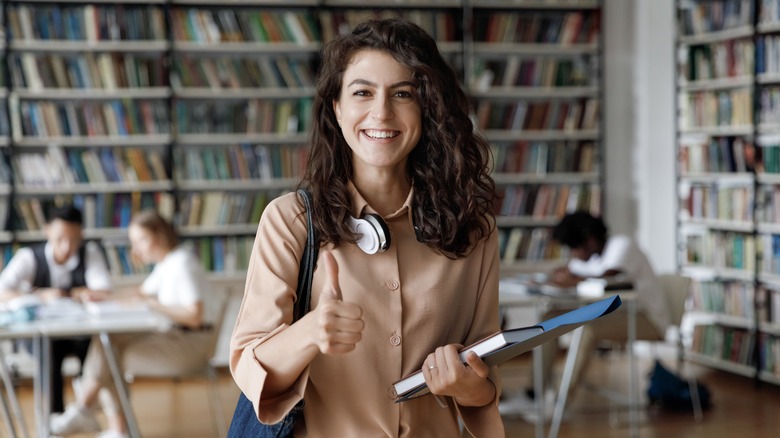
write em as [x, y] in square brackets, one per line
[143, 243]
[377, 112]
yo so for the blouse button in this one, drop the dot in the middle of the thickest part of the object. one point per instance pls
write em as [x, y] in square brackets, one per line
[391, 393]
[392, 285]
[395, 340]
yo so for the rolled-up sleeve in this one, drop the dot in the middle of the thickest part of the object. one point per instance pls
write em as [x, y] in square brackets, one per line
[267, 305]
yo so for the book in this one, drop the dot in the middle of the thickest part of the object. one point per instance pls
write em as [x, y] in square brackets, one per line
[507, 344]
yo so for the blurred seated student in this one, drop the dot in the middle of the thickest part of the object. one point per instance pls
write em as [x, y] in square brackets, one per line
[596, 254]
[62, 266]
[176, 287]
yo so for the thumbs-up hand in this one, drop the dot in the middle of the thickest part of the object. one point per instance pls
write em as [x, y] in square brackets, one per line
[339, 323]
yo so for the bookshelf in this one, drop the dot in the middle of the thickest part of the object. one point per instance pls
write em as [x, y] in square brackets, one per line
[728, 224]
[201, 109]
[534, 75]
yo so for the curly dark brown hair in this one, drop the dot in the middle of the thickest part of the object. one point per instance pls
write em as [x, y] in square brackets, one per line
[449, 167]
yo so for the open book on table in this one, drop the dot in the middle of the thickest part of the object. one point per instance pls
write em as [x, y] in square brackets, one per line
[506, 344]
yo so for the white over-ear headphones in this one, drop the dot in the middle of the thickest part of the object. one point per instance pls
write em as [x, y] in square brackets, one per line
[374, 236]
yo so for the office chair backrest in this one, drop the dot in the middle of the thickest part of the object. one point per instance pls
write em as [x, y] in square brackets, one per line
[676, 288]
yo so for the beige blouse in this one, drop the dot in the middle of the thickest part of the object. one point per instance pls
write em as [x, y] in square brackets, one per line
[413, 301]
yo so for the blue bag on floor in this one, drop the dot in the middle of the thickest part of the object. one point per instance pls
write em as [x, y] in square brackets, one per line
[673, 392]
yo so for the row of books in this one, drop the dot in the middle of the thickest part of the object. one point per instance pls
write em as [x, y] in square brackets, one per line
[100, 210]
[721, 249]
[726, 59]
[112, 22]
[731, 344]
[222, 208]
[239, 162]
[121, 261]
[769, 354]
[768, 304]
[542, 157]
[769, 105]
[704, 16]
[733, 298]
[769, 11]
[716, 108]
[544, 201]
[248, 116]
[578, 27]
[538, 115]
[56, 166]
[216, 254]
[768, 54]
[720, 202]
[538, 71]
[768, 204]
[243, 25]
[93, 118]
[5, 125]
[770, 157]
[704, 154]
[88, 70]
[528, 245]
[441, 25]
[234, 72]
[769, 244]
[224, 254]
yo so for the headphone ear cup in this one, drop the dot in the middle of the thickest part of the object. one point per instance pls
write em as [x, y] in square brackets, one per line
[382, 231]
[374, 236]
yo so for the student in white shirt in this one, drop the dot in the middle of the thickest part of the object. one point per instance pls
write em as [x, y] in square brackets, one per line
[62, 266]
[176, 288]
[595, 254]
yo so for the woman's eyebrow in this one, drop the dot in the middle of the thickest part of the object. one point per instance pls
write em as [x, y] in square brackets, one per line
[368, 83]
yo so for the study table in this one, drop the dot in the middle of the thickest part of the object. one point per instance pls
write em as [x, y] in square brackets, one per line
[512, 296]
[42, 331]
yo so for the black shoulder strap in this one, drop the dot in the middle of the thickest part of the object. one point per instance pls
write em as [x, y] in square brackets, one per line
[41, 278]
[308, 261]
[78, 275]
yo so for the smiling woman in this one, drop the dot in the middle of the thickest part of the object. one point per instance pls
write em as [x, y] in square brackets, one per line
[391, 140]
[380, 120]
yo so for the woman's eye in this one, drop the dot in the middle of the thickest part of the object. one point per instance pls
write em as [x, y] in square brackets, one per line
[361, 93]
[404, 94]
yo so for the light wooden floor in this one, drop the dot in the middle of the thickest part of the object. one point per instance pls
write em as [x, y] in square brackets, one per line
[741, 409]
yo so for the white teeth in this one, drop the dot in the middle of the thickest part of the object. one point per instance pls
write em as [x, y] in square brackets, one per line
[380, 134]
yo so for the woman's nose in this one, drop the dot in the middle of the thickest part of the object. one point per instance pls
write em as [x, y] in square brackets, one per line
[382, 109]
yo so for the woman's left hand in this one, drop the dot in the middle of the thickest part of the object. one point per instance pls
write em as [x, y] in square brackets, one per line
[445, 374]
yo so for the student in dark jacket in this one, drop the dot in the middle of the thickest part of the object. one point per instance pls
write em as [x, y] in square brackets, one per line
[62, 266]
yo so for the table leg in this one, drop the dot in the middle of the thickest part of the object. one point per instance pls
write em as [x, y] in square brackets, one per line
[121, 388]
[633, 390]
[563, 391]
[43, 356]
[12, 400]
[539, 390]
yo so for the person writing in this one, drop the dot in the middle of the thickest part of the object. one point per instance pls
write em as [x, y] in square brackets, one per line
[391, 137]
[176, 287]
[596, 254]
[62, 266]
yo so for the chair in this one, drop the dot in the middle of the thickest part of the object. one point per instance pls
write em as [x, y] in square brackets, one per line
[207, 371]
[676, 289]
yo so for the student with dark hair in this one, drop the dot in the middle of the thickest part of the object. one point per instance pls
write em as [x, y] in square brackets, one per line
[392, 138]
[597, 254]
[63, 266]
